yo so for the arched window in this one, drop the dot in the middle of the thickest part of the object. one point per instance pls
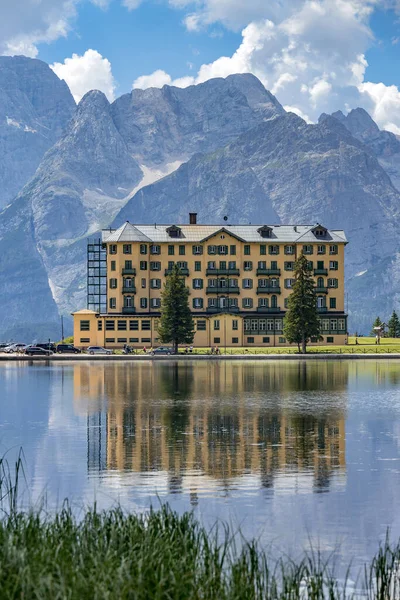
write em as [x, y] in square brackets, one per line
[274, 302]
[320, 282]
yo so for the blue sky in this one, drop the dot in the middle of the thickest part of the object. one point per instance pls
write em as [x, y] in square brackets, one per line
[314, 55]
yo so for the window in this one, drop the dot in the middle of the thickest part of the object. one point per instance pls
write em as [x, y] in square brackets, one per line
[274, 302]
[247, 303]
[211, 265]
[262, 264]
[273, 249]
[197, 249]
[282, 340]
[128, 302]
[113, 284]
[263, 249]
[146, 340]
[265, 340]
[247, 250]
[289, 266]
[197, 302]
[223, 302]
[310, 265]
[201, 325]
[155, 249]
[235, 324]
[182, 250]
[342, 324]
[143, 283]
[289, 250]
[133, 340]
[321, 249]
[247, 283]
[113, 303]
[155, 266]
[85, 340]
[113, 267]
[232, 264]
[143, 265]
[127, 249]
[155, 303]
[146, 325]
[223, 282]
[233, 283]
[171, 250]
[217, 340]
[197, 266]
[110, 340]
[85, 325]
[212, 302]
[307, 249]
[128, 264]
[233, 250]
[289, 283]
[333, 249]
[143, 248]
[198, 283]
[286, 303]
[216, 324]
[113, 248]
[121, 325]
[248, 265]
[121, 340]
[333, 324]
[182, 264]
[223, 249]
[222, 265]
[278, 324]
[332, 302]
[99, 325]
[143, 302]
[235, 340]
[250, 340]
[332, 283]
[329, 340]
[333, 265]
[155, 284]
[110, 325]
[128, 282]
[263, 302]
[133, 325]
[325, 324]
[274, 265]
[262, 282]
[212, 249]
[321, 302]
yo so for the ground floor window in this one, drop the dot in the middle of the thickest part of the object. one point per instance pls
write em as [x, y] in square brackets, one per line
[235, 340]
[201, 325]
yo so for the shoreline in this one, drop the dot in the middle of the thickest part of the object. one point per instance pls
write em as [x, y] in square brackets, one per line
[193, 357]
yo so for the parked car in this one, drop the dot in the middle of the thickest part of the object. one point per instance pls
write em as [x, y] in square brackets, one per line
[14, 348]
[37, 351]
[67, 349]
[98, 350]
[162, 350]
[47, 346]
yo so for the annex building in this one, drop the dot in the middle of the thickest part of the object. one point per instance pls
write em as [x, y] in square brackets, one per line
[240, 278]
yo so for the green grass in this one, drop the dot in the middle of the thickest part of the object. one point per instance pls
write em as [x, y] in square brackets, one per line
[161, 555]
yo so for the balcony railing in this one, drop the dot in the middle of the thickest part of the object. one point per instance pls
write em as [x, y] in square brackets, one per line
[218, 272]
[129, 290]
[128, 310]
[320, 271]
[321, 290]
[268, 309]
[218, 309]
[322, 309]
[128, 271]
[222, 290]
[181, 272]
[269, 272]
[268, 290]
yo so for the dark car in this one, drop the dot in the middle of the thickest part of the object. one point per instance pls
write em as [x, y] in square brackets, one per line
[37, 351]
[46, 346]
[162, 350]
[67, 349]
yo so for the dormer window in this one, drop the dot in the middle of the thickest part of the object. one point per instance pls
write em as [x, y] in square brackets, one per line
[265, 231]
[319, 231]
[174, 231]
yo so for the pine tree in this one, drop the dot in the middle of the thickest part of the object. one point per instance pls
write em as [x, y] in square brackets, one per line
[301, 320]
[376, 323]
[176, 322]
[394, 326]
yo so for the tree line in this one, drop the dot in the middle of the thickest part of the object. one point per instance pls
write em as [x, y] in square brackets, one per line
[393, 326]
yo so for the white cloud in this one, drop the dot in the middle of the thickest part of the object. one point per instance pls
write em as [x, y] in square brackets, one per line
[385, 100]
[160, 78]
[85, 73]
[131, 4]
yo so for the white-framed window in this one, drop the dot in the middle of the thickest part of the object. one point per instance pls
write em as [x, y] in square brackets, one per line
[289, 249]
[262, 264]
[233, 302]
[321, 302]
[211, 265]
[247, 265]
[325, 324]
[333, 249]
[274, 249]
[278, 324]
[155, 303]
[128, 282]
[263, 302]
[262, 325]
[274, 283]
[333, 324]
[128, 302]
[341, 324]
[223, 283]
[197, 249]
[247, 302]
[113, 248]
[113, 284]
[113, 303]
[223, 302]
[212, 249]
[143, 282]
[247, 283]
[223, 249]
[333, 265]
[197, 284]
[332, 283]
[211, 282]
[155, 283]
[155, 249]
[321, 249]
[143, 302]
[289, 283]
[262, 283]
[197, 302]
[212, 302]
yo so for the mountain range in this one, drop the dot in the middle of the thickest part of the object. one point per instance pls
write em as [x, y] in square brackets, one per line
[222, 148]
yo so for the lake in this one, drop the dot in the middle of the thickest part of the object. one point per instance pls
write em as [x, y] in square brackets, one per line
[292, 452]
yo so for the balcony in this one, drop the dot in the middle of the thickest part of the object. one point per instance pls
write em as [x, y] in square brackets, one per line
[322, 309]
[218, 309]
[218, 272]
[320, 271]
[268, 290]
[129, 290]
[321, 290]
[222, 290]
[128, 271]
[268, 309]
[182, 272]
[128, 310]
[268, 272]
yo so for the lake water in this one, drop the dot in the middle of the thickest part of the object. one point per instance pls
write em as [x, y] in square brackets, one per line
[291, 452]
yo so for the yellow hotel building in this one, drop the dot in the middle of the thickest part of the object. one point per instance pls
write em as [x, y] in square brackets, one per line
[240, 278]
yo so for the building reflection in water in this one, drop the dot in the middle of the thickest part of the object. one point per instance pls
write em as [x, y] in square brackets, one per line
[212, 424]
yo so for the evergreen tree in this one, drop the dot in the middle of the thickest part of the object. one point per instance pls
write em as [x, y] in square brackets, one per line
[176, 322]
[376, 323]
[301, 319]
[394, 325]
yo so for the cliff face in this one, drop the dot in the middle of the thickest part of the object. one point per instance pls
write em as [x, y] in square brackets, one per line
[35, 106]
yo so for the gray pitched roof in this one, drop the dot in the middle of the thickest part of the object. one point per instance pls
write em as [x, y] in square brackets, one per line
[199, 233]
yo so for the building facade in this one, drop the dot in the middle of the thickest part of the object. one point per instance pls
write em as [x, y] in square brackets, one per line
[240, 278]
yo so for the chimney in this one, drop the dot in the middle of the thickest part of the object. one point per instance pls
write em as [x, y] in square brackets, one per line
[193, 218]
